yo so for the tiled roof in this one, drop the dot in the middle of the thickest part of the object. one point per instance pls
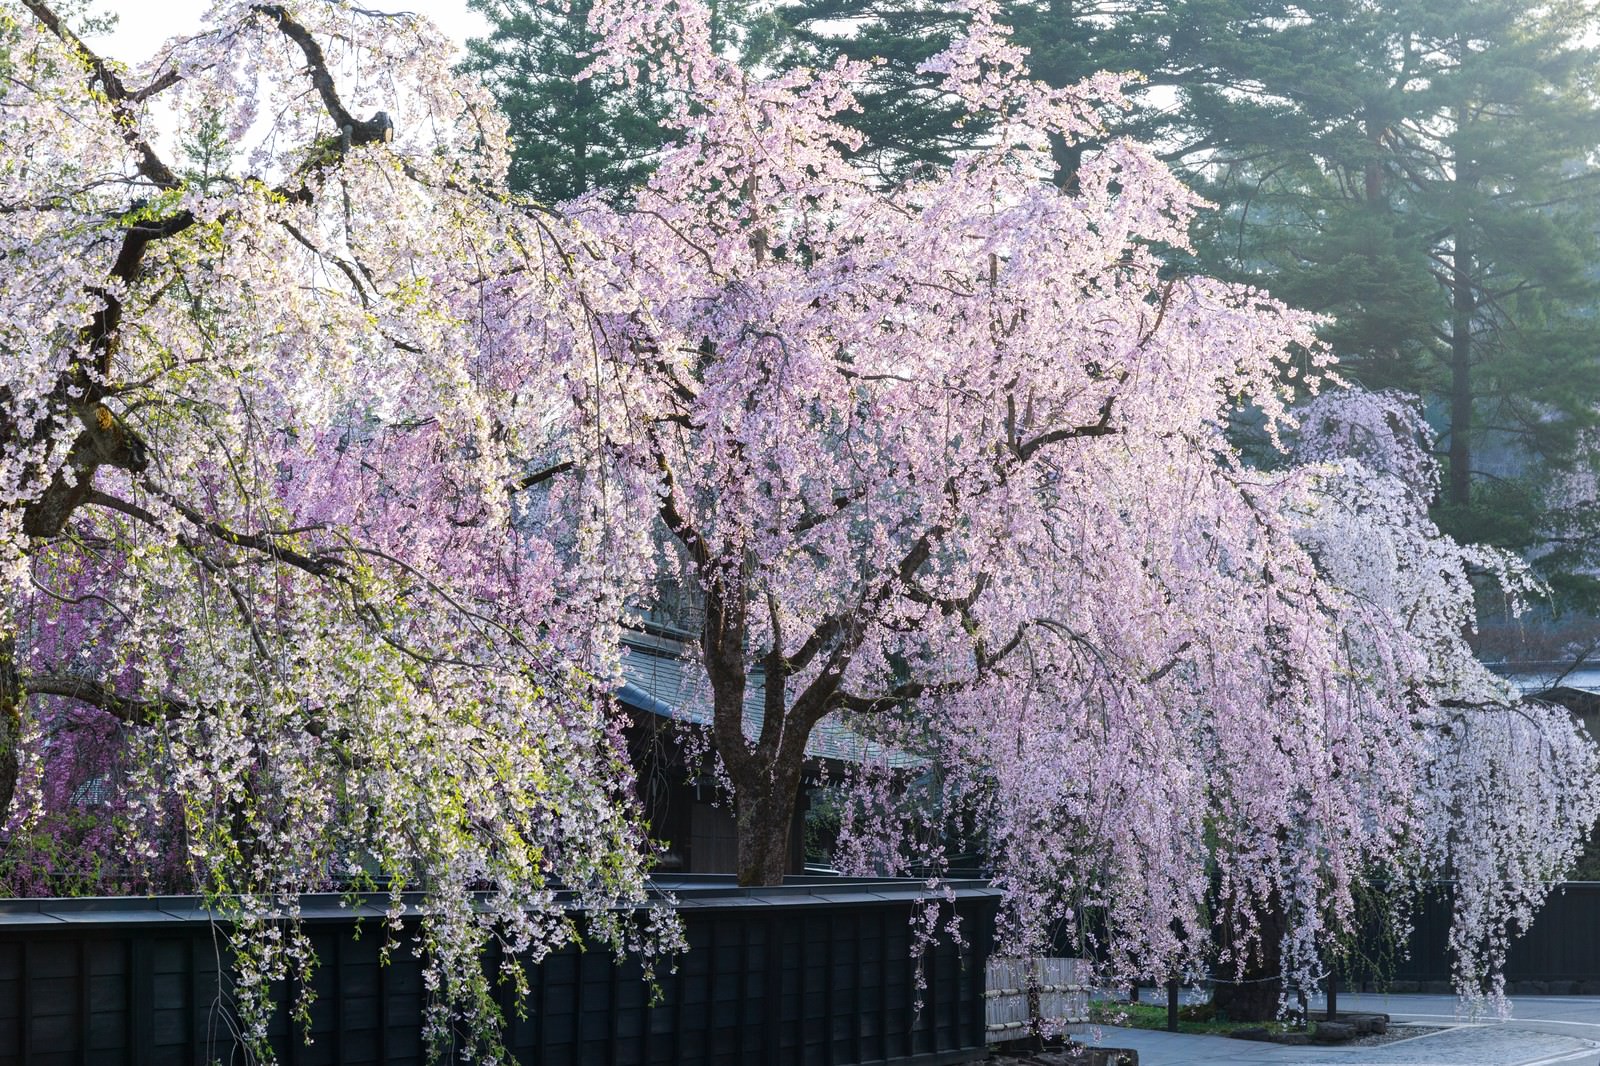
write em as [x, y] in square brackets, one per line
[658, 684]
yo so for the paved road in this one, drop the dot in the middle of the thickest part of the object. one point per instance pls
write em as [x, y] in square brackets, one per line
[1577, 1016]
[1542, 1031]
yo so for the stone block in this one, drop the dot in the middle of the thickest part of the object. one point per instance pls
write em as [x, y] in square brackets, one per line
[1366, 1024]
[1080, 1055]
[1335, 1032]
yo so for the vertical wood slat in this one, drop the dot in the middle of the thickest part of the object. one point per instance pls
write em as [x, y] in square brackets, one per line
[885, 962]
[334, 946]
[200, 1016]
[677, 1015]
[381, 983]
[744, 985]
[930, 1006]
[25, 1007]
[83, 1002]
[140, 1028]
[828, 993]
[616, 1020]
[772, 1037]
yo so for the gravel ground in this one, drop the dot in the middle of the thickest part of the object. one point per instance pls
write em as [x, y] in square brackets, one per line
[1396, 1032]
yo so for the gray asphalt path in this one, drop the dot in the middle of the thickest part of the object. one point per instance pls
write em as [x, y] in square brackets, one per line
[1542, 1031]
[1577, 1016]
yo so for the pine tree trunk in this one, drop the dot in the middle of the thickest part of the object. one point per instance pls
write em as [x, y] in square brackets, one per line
[1463, 305]
[1461, 388]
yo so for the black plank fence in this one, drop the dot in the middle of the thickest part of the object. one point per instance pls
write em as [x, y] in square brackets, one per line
[1558, 954]
[814, 973]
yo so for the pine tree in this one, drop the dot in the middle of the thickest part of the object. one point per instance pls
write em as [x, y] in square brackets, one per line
[569, 135]
[903, 118]
[1433, 191]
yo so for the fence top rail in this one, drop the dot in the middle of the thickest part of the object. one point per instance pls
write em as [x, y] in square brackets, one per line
[686, 893]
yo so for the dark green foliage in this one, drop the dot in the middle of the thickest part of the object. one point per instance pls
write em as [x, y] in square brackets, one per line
[1425, 182]
[568, 135]
[1198, 59]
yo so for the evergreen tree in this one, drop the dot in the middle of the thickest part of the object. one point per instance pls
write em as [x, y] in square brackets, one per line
[903, 118]
[568, 135]
[1430, 185]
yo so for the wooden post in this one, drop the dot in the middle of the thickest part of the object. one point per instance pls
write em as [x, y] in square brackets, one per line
[1172, 1006]
[1333, 996]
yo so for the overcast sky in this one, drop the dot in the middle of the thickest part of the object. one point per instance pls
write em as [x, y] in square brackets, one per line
[143, 24]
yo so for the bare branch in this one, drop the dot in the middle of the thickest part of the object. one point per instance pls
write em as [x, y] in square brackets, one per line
[538, 477]
[378, 128]
[816, 518]
[1101, 428]
[317, 566]
[130, 709]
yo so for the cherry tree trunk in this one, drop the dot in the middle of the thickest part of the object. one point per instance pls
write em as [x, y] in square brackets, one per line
[10, 723]
[1252, 995]
[765, 808]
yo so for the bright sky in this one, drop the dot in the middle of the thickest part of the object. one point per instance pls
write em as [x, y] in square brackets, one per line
[143, 24]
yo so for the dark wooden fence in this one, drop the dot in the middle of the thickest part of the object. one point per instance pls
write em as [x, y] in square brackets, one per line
[1559, 953]
[814, 973]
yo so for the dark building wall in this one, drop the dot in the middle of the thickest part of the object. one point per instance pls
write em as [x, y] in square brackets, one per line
[1559, 953]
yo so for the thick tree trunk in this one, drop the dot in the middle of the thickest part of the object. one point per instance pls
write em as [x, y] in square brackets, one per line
[766, 775]
[1463, 304]
[10, 723]
[766, 817]
[1252, 994]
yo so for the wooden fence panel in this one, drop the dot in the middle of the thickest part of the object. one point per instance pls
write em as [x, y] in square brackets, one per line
[1005, 998]
[1033, 995]
[1559, 953]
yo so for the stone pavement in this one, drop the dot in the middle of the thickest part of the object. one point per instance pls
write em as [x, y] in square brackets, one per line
[1543, 1031]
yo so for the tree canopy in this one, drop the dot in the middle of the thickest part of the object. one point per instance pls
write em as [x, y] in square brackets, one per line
[952, 454]
[330, 468]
